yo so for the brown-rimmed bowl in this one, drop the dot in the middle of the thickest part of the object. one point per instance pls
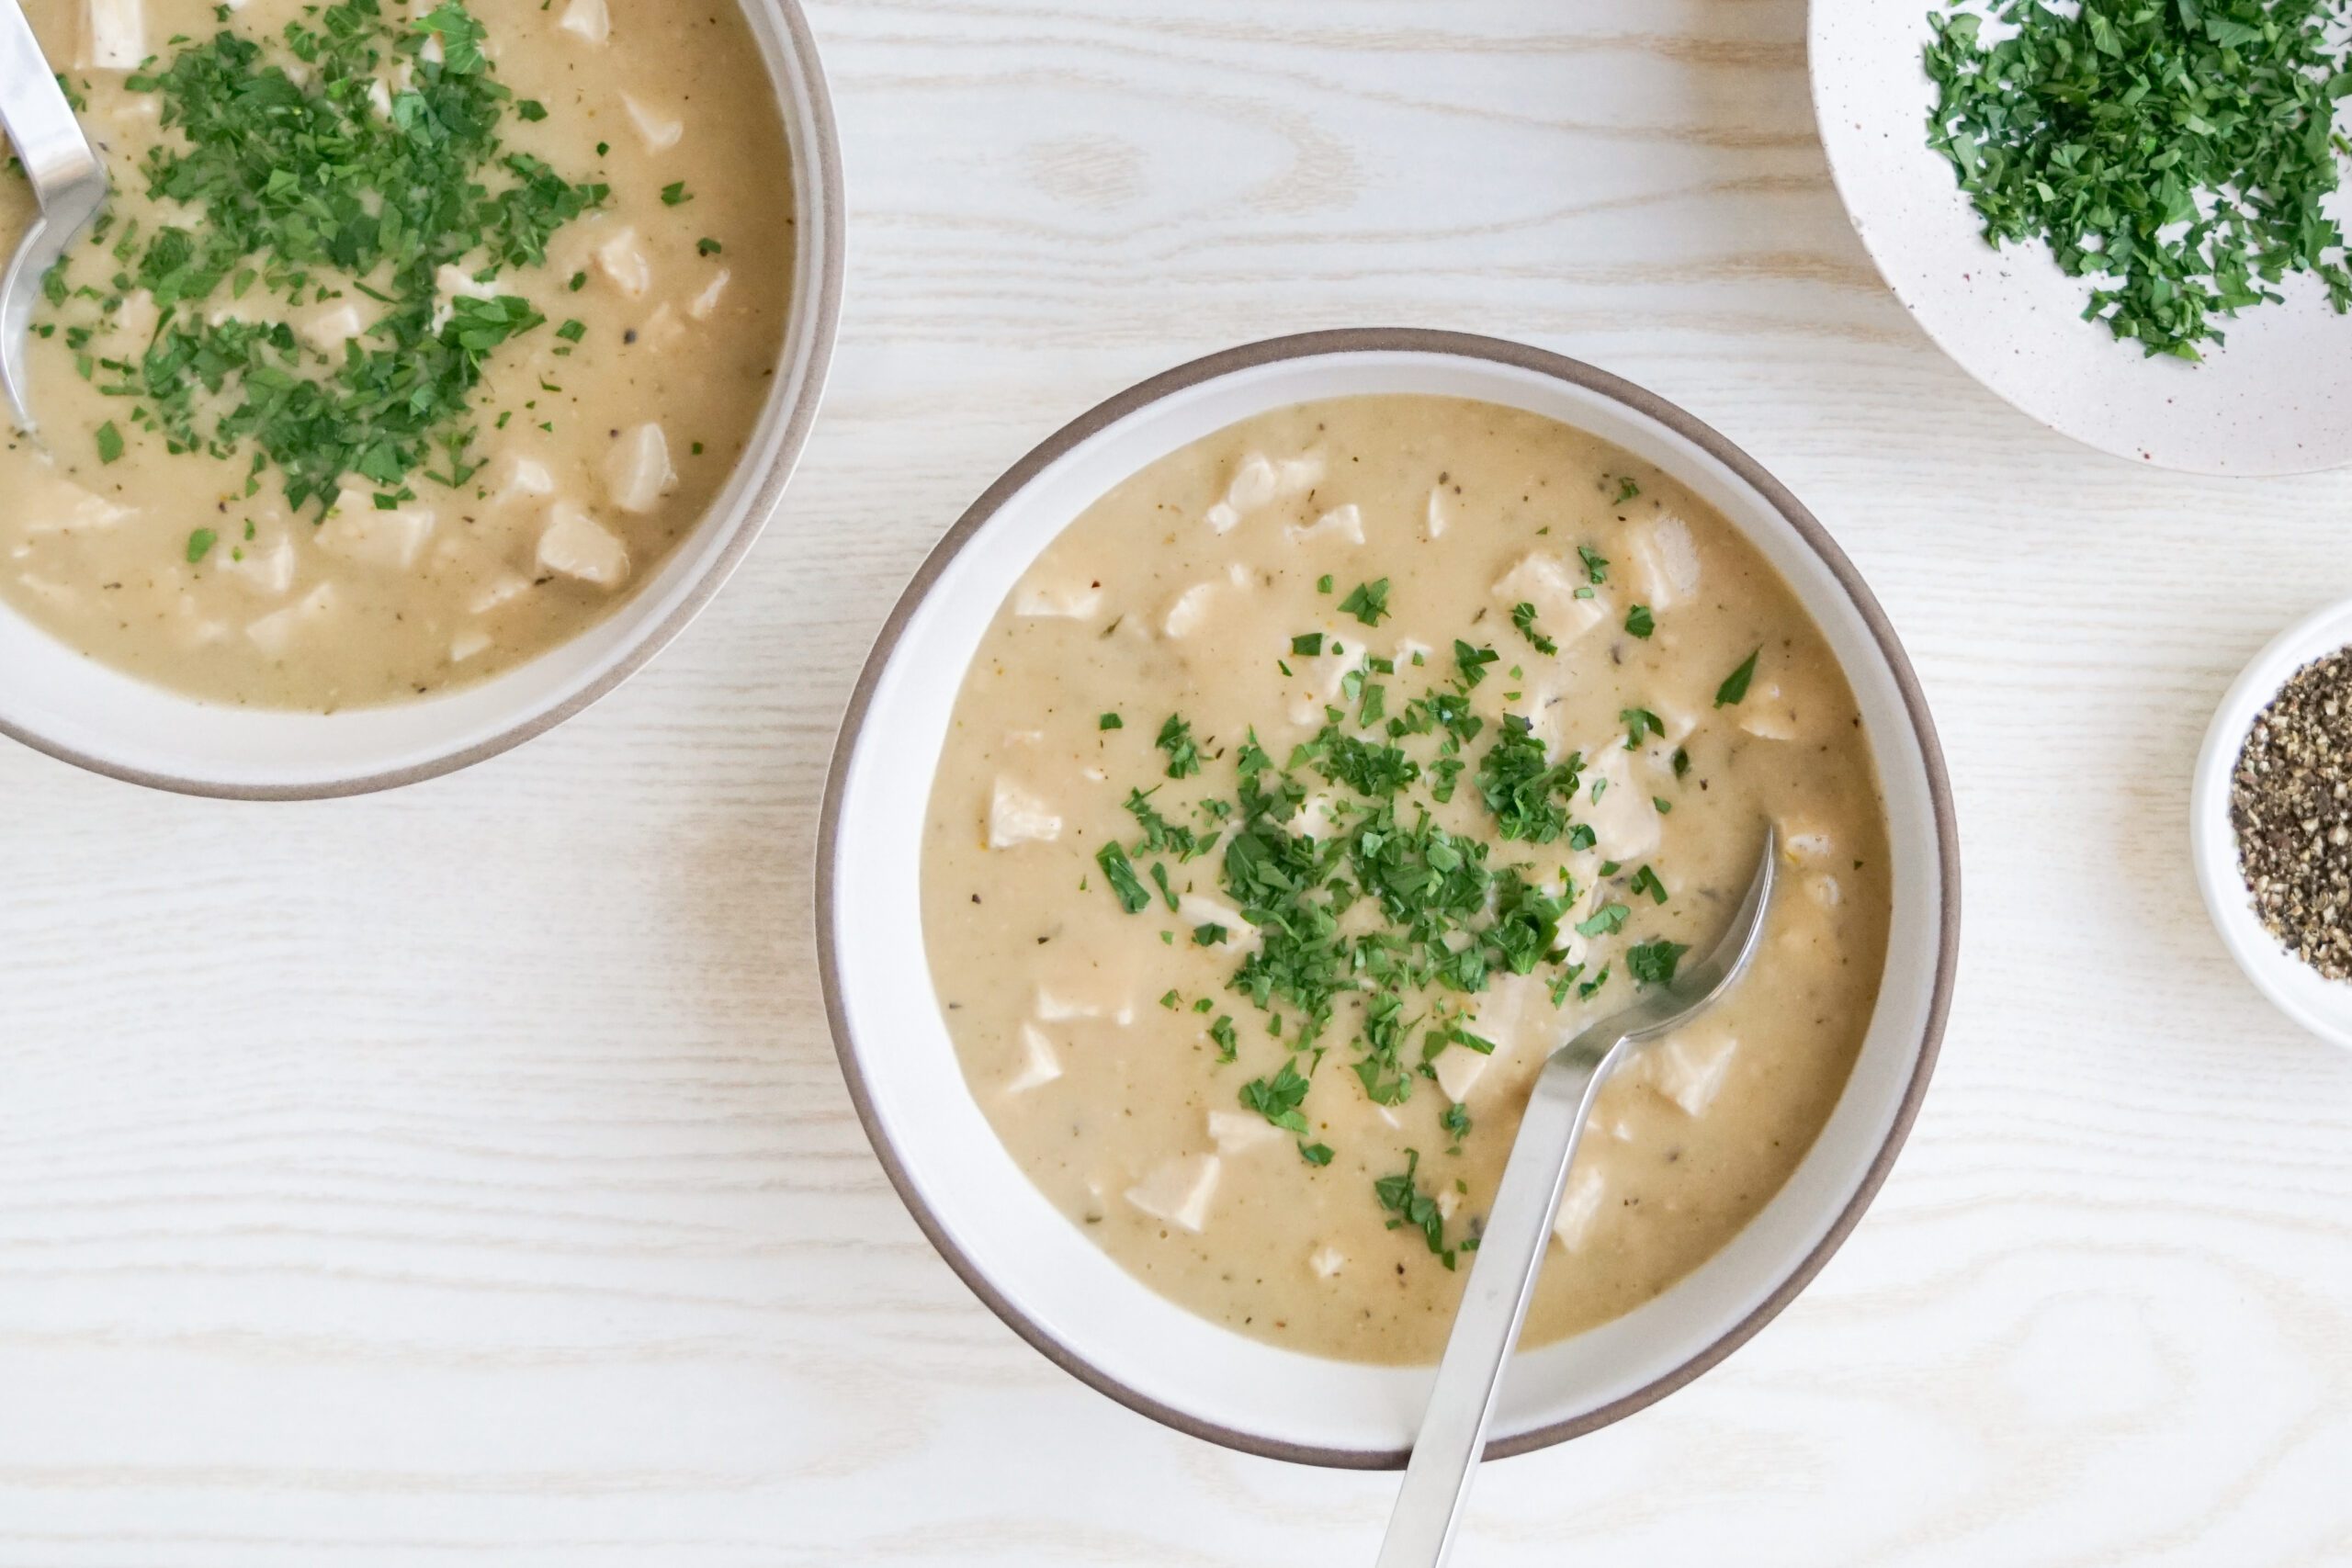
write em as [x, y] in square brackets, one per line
[1032, 1266]
[59, 701]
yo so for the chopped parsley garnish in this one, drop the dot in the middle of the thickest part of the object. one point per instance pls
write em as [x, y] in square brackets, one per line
[1653, 962]
[1228, 1046]
[1315, 1153]
[199, 545]
[1522, 615]
[1639, 722]
[1133, 897]
[1607, 920]
[1734, 690]
[1323, 583]
[1307, 644]
[1596, 565]
[1473, 661]
[1110, 721]
[1176, 739]
[1640, 622]
[2178, 155]
[1626, 491]
[1646, 881]
[306, 190]
[1523, 790]
[1367, 601]
[1402, 1197]
[1277, 1098]
[675, 194]
[707, 246]
[109, 442]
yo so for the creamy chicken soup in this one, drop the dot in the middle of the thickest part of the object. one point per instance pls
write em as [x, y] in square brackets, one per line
[414, 337]
[1320, 779]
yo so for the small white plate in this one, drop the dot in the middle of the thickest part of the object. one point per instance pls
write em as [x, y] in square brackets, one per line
[2323, 1007]
[2276, 400]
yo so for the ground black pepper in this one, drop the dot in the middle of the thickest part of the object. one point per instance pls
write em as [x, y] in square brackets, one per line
[2291, 801]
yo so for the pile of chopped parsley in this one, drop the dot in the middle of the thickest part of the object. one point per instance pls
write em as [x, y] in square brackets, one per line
[1374, 922]
[2178, 153]
[320, 184]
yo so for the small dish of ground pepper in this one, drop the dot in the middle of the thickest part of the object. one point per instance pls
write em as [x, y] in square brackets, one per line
[2271, 822]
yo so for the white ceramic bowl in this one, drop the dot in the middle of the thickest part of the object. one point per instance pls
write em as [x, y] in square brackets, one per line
[2323, 1007]
[1034, 1267]
[62, 703]
[2277, 399]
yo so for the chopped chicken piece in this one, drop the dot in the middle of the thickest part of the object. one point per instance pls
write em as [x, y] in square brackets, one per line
[1579, 1206]
[1688, 1068]
[1825, 891]
[1017, 816]
[575, 544]
[55, 593]
[1625, 817]
[1434, 520]
[659, 132]
[1255, 483]
[1183, 617]
[525, 477]
[662, 330]
[1062, 1007]
[1179, 1191]
[389, 541]
[1339, 522]
[1327, 1261]
[1666, 562]
[468, 643]
[114, 35]
[707, 302]
[638, 472]
[1040, 1065]
[622, 258]
[1058, 601]
[274, 634]
[60, 506]
[1768, 715]
[1802, 845]
[588, 20]
[1554, 586]
[264, 564]
[1238, 1132]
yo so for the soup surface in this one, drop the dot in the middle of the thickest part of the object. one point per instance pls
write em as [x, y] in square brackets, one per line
[414, 337]
[1321, 777]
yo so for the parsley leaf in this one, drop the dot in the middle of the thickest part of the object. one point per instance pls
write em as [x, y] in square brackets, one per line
[1734, 687]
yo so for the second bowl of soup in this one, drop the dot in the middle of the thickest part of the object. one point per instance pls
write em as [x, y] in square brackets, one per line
[429, 366]
[1342, 725]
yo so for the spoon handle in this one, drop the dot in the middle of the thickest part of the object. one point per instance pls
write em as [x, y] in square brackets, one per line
[33, 110]
[1494, 1306]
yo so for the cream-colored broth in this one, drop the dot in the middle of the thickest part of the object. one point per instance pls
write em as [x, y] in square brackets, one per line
[598, 456]
[1180, 592]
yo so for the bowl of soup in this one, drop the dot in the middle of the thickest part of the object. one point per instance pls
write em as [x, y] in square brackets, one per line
[1267, 772]
[430, 367]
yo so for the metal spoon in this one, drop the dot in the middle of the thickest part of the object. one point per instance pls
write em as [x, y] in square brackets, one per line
[68, 180]
[1502, 1271]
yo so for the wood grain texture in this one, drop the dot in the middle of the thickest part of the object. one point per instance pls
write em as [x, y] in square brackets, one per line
[463, 1174]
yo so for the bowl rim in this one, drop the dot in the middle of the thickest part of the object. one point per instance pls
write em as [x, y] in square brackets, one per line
[2212, 838]
[1329, 343]
[805, 98]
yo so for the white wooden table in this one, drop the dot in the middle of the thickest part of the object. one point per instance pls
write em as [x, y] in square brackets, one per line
[463, 1174]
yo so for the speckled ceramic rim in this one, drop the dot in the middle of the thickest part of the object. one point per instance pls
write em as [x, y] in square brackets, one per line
[808, 105]
[1463, 345]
